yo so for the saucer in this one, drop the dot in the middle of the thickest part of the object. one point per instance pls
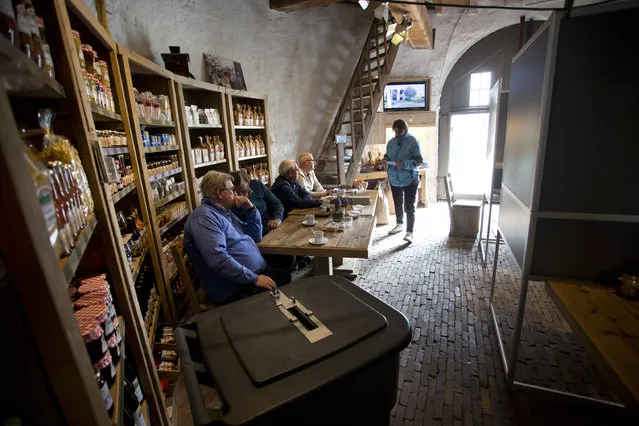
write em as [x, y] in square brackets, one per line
[305, 223]
[318, 243]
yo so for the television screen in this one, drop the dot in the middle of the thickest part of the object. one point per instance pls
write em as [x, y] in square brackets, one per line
[406, 96]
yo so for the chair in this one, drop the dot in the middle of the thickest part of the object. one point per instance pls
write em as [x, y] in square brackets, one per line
[198, 303]
[464, 214]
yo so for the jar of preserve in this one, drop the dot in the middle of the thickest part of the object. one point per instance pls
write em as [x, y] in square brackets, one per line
[78, 47]
[22, 26]
[114, 349]
[37, 54]
[8, 21]
[107, 369]
[101, 314]
[88, 84]
[98, 297]
[116, 329]
[105, 393]
[89, 57]
[96, 90]
[104, 71]
[46, 49]
[91, 285]
[93, 336]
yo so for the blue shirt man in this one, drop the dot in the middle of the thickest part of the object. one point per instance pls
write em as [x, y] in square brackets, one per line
[403, 155]
[222, 247]
[289, 191]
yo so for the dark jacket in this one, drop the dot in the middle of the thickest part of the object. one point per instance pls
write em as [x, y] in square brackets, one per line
[292, 195]
[269, 206]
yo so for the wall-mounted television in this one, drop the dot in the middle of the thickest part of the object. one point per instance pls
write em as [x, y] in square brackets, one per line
[407, 95]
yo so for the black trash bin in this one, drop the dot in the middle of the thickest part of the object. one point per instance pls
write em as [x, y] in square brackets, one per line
[324, 352]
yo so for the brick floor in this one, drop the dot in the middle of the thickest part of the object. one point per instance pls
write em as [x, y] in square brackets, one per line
[451, 373]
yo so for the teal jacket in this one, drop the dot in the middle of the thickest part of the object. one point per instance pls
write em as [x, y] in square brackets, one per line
[404, 148]
[269, 206]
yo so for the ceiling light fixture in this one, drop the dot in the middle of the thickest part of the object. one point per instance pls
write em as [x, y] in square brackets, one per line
[363, 3]
[401, 30]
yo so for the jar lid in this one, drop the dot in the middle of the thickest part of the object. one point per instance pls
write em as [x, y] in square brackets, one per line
[86, 47]
[75, 33]
[116, 323]
[113, 341]
[94, 298]
[104, 362]
[102, 63]
[101, 276]
[91, 286]
[89, 327]
[99, 312]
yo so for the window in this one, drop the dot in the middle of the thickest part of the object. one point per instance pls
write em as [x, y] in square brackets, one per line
[479, 89]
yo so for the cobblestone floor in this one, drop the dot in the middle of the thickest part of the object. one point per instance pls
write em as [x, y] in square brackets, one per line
[451, 372]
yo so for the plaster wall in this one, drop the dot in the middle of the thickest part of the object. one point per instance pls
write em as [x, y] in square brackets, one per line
[302, 61]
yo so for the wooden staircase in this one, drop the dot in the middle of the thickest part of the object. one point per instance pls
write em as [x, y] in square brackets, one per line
[357, 110]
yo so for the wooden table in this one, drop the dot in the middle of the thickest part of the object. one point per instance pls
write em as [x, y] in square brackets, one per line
[291, 238]
[368, 210]
[610, 324]
[422, 194]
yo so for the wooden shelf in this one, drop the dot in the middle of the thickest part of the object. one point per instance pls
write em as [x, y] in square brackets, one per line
[22, 77]
[165, 174]
[154, 149]
[70, 263]
[156, 123]
[101, 114]
[210, 163]
[117, 196]
[137, 264]
[157, 346]
[250, 127]
[116, 150]
[170, 375]
[206, 126]
[173, 196]
[117, 389]
[252, 157]
[173, 222]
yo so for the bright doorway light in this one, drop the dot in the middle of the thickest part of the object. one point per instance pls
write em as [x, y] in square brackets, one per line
[467, 155]
[479, 89]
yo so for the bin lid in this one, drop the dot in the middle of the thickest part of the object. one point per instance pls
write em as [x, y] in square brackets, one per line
[269, 346]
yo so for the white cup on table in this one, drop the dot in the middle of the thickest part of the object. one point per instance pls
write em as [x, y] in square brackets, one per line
[319, 236]
[309, 219]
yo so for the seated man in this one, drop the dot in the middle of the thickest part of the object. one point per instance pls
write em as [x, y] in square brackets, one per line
[289, 191]
[270, 207]
[222, 247]
[306, 176]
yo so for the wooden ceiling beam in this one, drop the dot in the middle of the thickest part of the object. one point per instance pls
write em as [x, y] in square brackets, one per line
[295, 5]
[420, 36]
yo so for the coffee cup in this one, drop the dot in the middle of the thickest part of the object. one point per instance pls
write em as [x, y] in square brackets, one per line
[319, 236]
[309, 219]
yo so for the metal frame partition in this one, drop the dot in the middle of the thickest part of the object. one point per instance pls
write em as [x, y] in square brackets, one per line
[547, 219]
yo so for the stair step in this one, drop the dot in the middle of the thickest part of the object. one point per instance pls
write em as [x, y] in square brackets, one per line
[348, 122]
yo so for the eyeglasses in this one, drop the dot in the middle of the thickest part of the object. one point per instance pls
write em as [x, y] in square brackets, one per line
[309, 161]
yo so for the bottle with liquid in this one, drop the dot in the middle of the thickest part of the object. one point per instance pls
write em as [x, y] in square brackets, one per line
[37, 55]
[104, 392]
[46, 49]
[133, 380]
[23, 38]
[8, 21]
[237, 115]
[74, 228]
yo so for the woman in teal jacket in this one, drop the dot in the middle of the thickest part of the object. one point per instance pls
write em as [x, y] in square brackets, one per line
[403, 156]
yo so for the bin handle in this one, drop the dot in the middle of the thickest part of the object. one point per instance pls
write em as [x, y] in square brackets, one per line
[190, 370]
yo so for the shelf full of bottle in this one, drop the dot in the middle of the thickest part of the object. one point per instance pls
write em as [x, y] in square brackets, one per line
[202, 118]
[116, 162]
[133, 235]
[249, 147]
[97, 80]
[208, 151]
[258, 171]
[61, 186]
[25, 48]
[247, 116]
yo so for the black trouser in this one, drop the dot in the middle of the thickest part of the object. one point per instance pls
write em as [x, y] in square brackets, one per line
[404, 196]
[280, 276]
[280, 261]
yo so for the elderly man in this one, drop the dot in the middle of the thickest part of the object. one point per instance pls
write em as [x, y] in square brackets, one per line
[270, 207]
[222, 247]
[289, 191]
[306, 175]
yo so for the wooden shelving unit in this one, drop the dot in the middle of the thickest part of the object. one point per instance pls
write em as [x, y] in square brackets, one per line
[233, 98]
[123, 192]
[165, 200]
[69, 264]
[204, 95]
[101, 114]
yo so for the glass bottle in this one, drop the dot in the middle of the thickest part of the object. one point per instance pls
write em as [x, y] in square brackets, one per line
[8, 21]
[37, 55]
[249, 116]
[242, 147]
[74, 228]
[133, 379]
[46, 49]
[22, 25]
[73, 193]
[64, 225]
[237, 115]
[104, 392]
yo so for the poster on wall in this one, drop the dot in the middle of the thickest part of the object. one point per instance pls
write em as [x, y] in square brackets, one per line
[224, 72]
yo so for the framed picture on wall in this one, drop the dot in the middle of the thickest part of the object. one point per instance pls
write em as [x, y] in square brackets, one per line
[224, 72]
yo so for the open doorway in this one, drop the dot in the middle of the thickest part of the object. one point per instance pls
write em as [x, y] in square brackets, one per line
[468, 144]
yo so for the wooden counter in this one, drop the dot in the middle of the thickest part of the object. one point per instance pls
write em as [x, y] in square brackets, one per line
[422, 194]
[610, 323]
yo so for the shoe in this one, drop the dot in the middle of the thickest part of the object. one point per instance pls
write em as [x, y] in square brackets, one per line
[408, 237]
[397, 229]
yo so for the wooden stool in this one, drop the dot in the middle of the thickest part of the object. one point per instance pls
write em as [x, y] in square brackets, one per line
[464, 214]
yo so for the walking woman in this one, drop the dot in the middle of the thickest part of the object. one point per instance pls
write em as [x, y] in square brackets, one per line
[403, 156]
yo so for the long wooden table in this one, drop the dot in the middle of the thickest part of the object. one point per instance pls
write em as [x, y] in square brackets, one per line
[610, 324]
[292, 238]
[368, 210]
